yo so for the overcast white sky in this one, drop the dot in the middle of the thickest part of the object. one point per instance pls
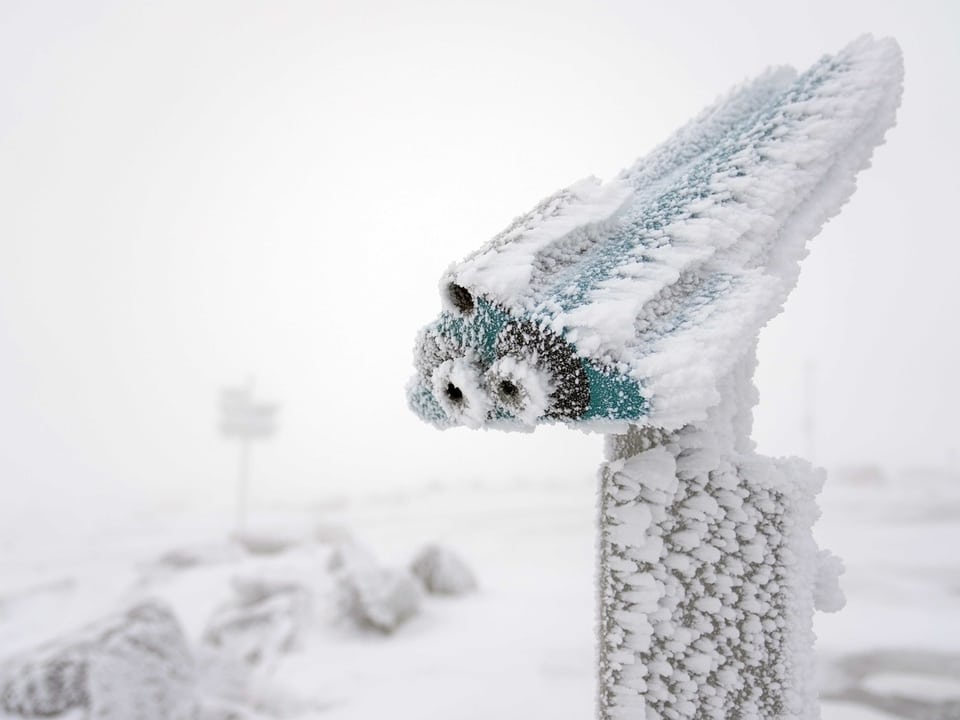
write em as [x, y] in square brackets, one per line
[191, 192]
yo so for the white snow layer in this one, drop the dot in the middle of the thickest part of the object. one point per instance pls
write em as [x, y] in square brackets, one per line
[673, 267]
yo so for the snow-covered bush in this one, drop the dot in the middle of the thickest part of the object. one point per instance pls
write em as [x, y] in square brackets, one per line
[133, 666]
[442, 571]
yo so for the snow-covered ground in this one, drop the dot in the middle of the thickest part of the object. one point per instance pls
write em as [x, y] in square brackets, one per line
[522, 645]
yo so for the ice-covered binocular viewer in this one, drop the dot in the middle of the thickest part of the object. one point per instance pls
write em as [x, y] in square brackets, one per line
[633, 307]
[626, 301]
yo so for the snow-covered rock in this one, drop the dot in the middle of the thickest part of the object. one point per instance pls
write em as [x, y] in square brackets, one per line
[133, 666]
[263, 620]
[380, 598]
[442, 571]
[373, 596]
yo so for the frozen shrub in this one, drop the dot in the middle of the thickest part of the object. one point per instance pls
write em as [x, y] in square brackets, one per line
[442, 571]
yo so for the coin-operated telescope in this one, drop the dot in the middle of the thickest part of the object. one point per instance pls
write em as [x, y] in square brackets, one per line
[632, 308]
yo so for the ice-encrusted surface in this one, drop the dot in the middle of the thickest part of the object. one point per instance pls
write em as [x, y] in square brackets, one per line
[656, 279]
[706, 588]
[262, 620]
[637, 314]
[708, 573]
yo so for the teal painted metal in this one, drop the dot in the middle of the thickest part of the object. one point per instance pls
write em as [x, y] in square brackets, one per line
[631, 301]
[613, 394]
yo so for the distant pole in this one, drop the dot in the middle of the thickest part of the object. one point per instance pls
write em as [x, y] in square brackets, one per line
[810, 410]
[243, 485]
[245, 420]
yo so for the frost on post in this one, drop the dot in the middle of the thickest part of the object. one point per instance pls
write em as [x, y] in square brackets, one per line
[632, 307]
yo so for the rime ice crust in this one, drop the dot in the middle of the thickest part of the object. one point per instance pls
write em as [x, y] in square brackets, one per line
[708, 573]
[634, 307]
[656, 279]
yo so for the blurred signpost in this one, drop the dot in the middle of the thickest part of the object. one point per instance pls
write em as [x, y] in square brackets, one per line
[245, 419]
